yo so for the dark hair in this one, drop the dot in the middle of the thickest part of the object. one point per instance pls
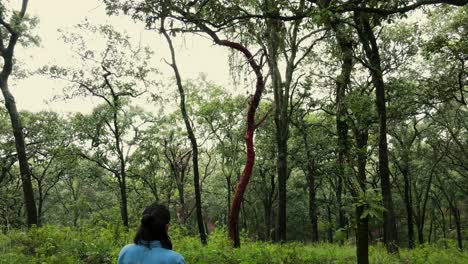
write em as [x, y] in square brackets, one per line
[153, 226]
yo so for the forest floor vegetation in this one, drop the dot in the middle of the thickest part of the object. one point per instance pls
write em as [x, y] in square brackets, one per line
[55, 244]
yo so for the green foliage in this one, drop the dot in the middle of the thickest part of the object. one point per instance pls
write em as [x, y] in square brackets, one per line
[371, 200]
[101, 244]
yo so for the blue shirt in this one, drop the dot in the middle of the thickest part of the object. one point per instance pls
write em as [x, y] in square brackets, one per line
[154, 253]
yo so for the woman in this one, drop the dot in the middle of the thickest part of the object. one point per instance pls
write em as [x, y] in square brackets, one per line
[151, 243]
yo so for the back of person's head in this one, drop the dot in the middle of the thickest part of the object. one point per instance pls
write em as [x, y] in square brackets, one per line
[153, 226]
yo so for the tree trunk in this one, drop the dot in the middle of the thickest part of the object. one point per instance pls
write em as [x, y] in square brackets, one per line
[431, 227]
[182, 215]
[444, 223]
[193, 140]
[282, 95]
[329, 229]
[367, 37]
[281, 99]
[228, 184]
[422, 213]
[362, 238]
[122, 171]
[10, 104]
[123, 201]
[310, 177]
[233, 227]
[196, 180]
[420, 229]
[456, 217]
[408, 203]
[282, 181]
[40, 203]
[342, 82]
[312, 205]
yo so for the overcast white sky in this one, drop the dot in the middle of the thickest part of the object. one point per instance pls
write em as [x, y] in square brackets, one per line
[195, 54]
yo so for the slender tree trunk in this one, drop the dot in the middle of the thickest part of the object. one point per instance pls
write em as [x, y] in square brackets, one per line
[122, 171]
[228, 184]
[312, 206]
[367, 37]
[40, 203]
[249, 135]
[244, 217]
[310, 176]
[362, 238]
[282, 96]
[233, 227]
[408, 203]
[444, 225]
[431, 226]
[193, 140]
[183, 208]
[342, 82]
[10, 104]
[422, 214]
[281, 124]
[123, 201]
[282, 181]
[420, 229]
[456, 217]
[329, 229]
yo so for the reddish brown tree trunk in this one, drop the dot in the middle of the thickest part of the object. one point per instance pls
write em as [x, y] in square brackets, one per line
[249, 163]
[233, 226]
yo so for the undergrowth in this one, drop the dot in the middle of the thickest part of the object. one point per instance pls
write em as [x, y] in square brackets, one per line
[92, 245]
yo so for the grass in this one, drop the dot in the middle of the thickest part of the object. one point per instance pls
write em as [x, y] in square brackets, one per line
[54, 244]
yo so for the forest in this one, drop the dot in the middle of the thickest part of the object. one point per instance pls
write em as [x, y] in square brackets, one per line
[339, 135]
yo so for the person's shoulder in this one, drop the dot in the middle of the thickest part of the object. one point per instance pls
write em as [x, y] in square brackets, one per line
[125, 253]
[129, 249]
[177, 257]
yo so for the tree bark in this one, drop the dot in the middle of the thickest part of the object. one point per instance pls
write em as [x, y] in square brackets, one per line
[362, 237]
[310, 177]
[193, 140]
[312, 203]
[371, 49]
[10, 104]
[122, 171]
[228, 184]
[329, 229]
[456, 216]
[281, 99]
[233, 227]
[408, 202]
[282, 95]
[342, 82]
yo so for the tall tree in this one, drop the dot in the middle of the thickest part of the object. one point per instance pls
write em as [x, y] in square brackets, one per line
[115, 75]
[10, 33]
[288, 43]
[345, 44]
[191, 135]
[371, 49]
[48, 136]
